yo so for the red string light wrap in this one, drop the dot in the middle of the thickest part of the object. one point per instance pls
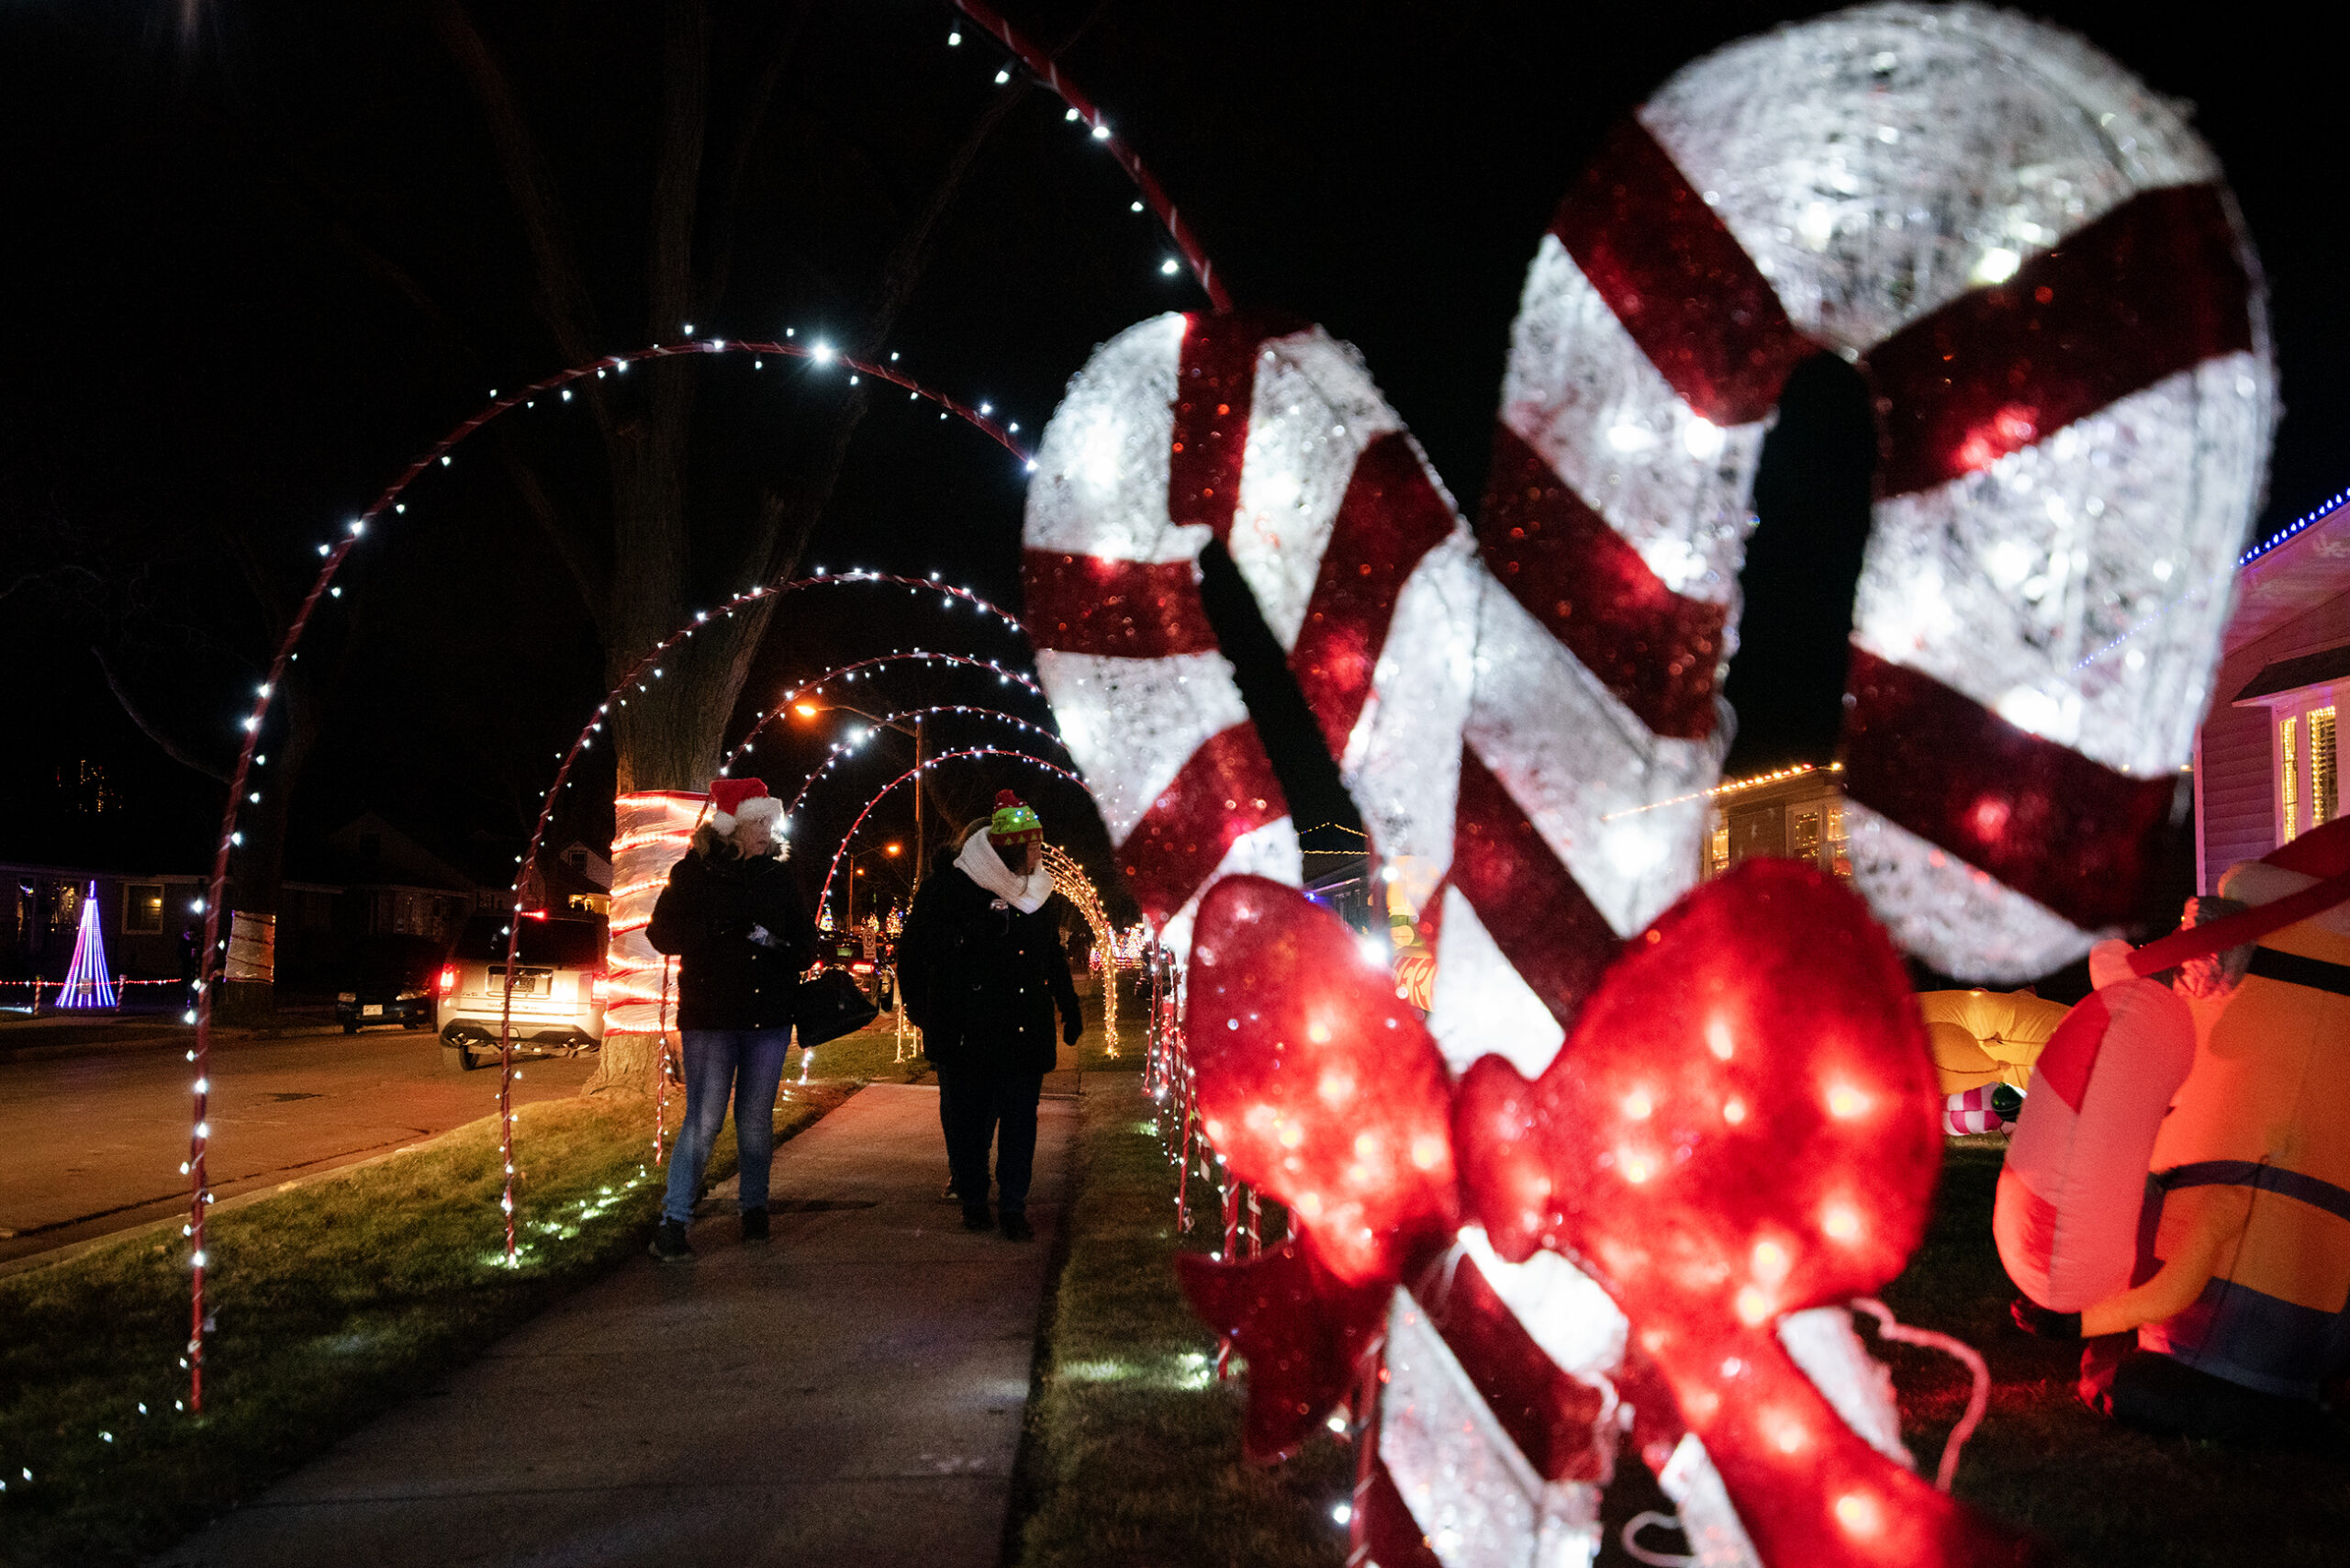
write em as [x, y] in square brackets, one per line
[651, 830]
[1048, 70]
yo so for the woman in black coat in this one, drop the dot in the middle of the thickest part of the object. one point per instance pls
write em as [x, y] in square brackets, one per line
[983, 971]
[732, 915]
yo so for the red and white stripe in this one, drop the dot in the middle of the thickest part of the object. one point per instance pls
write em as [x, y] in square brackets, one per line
[1270, 441]
[2032, 259]
[2029, 257]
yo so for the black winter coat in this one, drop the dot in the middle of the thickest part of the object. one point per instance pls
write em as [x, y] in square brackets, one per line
[982, 979]
[705, 915]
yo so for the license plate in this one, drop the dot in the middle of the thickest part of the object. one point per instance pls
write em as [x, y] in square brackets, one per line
[372, 1010]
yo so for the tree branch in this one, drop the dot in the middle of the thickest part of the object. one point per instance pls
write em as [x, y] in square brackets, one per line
[573, 544]
[676, 180]
[751, 122]
[130, 708]
[566, 305]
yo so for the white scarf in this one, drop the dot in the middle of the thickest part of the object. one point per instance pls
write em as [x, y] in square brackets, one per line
[979, 862]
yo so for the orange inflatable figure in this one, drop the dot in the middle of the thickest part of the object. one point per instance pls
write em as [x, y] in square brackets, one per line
[2239, 1301]
[2075, 1180]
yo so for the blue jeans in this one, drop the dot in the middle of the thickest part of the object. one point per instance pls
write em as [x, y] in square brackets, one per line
[749, 1062]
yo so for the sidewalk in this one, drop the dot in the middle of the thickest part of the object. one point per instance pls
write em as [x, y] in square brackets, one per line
[851, 1393]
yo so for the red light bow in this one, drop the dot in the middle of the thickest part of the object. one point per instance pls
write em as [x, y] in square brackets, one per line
[1740, 1126]
[1317, 1085]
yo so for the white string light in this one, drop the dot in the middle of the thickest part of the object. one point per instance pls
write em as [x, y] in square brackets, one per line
[442, 455]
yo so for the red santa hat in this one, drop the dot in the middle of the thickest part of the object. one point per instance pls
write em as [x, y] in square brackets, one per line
[738, 801]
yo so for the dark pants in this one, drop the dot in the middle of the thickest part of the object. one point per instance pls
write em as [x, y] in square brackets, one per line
[978, 1108]
[2146, 1389]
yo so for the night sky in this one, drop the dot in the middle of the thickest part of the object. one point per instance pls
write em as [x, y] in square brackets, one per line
[265, 256]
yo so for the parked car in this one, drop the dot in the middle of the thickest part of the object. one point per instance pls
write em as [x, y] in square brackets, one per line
[852, 951]
[559, 987]
[388, 982]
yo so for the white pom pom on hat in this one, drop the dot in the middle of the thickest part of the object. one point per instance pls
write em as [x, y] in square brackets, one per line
[737, 801]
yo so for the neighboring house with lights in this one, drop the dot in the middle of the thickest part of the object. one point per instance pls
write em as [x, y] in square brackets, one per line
[2265, 760]
[1790, 813]
[141, 917]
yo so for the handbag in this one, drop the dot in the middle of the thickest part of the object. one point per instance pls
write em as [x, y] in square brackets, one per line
[830, 1005]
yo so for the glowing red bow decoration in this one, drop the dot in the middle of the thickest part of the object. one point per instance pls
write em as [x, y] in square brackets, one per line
[1318, 1086]
[1740, 1126]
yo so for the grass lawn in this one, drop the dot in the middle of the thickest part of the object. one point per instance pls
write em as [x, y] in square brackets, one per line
[1131, 1452]
[2102, 1493]
[331, 1302]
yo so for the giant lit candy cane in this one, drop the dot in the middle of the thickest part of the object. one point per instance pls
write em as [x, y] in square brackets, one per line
[2031, 260]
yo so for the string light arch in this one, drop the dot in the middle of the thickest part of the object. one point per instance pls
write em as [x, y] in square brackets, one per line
[1006, 676]
[336, 552]
[1081, 107]
[1071, 882]
[1002, 753]
[842, 751]
[646, 670]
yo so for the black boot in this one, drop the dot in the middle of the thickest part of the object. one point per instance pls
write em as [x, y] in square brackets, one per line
[754, 1225]
[669, 1243]
[976, 1217]
[1017, 1226]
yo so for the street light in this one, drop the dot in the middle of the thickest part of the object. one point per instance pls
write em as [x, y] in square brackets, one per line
[810, 711]
[892, 849]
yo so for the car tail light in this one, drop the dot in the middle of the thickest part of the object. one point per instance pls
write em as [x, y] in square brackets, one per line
[448, 979]
[860, 969]
[600, 985]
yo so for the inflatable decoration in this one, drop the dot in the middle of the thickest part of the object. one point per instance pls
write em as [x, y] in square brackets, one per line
[1982, 1037]
[1992, 1110]
[2029, 257]
[2239, 1305]
[2075, 1177]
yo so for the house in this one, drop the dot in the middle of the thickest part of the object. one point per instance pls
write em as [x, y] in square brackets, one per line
[2264, 760]
[1792, 813]
[141, 917]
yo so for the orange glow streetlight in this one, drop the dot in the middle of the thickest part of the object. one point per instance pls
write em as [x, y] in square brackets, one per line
[810, 711]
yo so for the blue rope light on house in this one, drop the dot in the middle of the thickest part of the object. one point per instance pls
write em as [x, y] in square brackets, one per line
[2282, 534]
[87, 983]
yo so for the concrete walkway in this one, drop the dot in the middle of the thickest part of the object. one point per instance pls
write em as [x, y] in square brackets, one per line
[851, 1393]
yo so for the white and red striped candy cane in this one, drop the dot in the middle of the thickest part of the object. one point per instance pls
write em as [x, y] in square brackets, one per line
[1270, 440]
[2031, 258]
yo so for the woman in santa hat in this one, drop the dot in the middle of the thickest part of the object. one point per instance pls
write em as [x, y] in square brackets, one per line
[983, 970]
[732, 916]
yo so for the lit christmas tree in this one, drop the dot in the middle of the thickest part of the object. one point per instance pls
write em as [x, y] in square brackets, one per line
[87, 983]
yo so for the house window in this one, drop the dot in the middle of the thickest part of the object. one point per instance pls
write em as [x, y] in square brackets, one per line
[2321, 807]
[1807, 836]
[2287, 733]
[142, 909]
[1718, 850]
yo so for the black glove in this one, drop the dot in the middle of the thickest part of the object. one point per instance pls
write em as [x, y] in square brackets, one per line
[2034, 1319]
[1070, 1029]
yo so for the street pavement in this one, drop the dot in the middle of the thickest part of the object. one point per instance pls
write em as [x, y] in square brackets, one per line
[92, 1139]
[851, 1393]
